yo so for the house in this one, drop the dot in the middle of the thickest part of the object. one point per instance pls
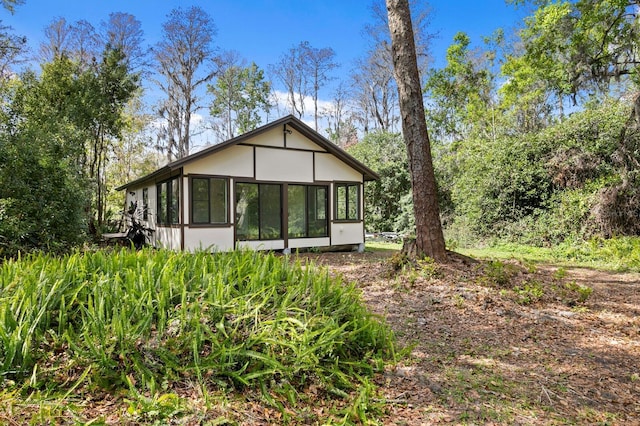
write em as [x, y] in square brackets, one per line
[282, 186]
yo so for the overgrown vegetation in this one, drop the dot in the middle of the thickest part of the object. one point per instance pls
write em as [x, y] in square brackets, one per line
[528, 149]
[144, 322]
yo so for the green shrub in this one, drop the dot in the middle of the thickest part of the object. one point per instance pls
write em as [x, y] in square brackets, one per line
[574, 293]
[530, 292]
[498, 273]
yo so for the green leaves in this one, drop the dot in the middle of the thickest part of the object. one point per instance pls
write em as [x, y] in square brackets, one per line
[57, 133]
[136, 319]
[386, 154]
[459, 95]
[240, 95]
[579, 47]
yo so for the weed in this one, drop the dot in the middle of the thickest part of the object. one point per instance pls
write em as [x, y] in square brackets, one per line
[573, 293]
[428, 268]
[498, 273]
[560, 273]
[531, 292]
[530, 266]
[458, 301]
[399, 260]
[412, 276]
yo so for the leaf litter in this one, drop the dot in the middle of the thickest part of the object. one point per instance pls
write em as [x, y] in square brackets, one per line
[549, 346]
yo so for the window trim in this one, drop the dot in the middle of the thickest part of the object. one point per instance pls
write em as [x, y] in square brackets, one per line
[235, 212]
[306, 187]
[166, 208]
[358, 201]
[145, 204]
[210, 224]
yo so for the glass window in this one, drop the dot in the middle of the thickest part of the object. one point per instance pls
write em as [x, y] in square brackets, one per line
[174, 202]
[145, 203]
[270, 212]
[162, 203]
[347, 201]
[219, 200]
[168, 202]
[296, 203]
[209, 200]
[258, 211]
[247, 217]
[200, 201]
[307, 211]
[317, 211]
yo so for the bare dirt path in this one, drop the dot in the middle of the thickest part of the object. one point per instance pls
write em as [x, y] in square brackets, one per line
[481, 355]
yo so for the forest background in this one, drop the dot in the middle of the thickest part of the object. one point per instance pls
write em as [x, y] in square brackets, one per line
[534, 133]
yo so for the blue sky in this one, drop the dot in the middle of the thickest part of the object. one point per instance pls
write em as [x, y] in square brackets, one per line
[261, 30]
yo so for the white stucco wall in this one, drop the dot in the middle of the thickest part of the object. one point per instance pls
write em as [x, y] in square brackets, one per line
[168, 238]
[296, 141]
[347, 233]
[233, 161]
[309, 242]
[330, 168]
[273, 137]
[210, 239]
[284, 165]
[261, 245]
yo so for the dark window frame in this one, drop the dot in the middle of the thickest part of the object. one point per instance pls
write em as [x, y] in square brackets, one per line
[209, 223]
[145, 203]
[348, 203]
[166, 216]
[308, 212]
[260, 217]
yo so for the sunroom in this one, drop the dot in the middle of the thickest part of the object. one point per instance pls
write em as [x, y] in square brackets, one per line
[282, 186]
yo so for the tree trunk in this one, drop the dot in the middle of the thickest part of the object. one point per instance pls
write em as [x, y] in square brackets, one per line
[429, 236]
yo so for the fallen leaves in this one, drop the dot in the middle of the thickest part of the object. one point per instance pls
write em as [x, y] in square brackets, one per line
[480, 357]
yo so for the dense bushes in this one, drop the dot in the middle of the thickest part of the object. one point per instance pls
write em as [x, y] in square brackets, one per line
[42, 195]
[386, 154]
[567, 181]
[572, 180]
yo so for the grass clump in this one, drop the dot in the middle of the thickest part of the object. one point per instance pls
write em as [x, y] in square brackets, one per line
[140, 321]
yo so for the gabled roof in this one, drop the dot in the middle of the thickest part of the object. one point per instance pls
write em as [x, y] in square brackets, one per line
[290, 121]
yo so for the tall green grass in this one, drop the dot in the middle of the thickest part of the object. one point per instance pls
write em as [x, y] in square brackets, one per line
[141, 320]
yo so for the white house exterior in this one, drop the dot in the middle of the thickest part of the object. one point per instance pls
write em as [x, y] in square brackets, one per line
[282, 186]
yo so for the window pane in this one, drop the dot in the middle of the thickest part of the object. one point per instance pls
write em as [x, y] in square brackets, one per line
[219, 199]
[145, 203]
[162, 203]
[296, 207]
[247, 211]
[200, 211]
[321, 203]
[200, 205]
[174, 208]
[317, 214]
[341, 202]
[270, 212]
[353, 202]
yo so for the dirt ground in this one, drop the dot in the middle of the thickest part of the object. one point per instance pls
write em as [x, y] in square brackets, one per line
[481, 355]
[489, 343]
